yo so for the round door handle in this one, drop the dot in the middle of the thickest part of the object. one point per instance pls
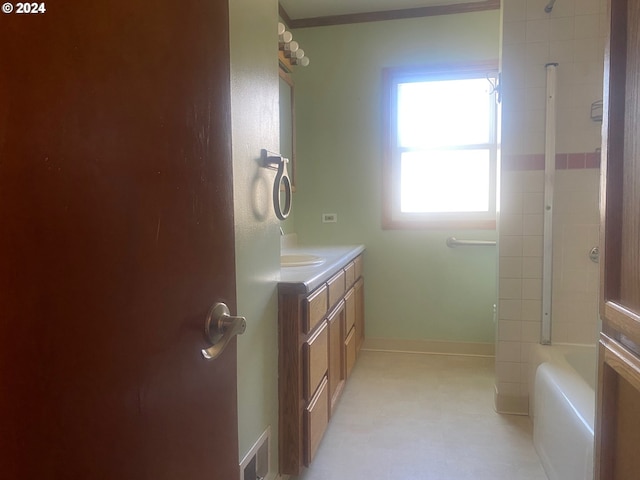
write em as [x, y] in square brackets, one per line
[219, 328]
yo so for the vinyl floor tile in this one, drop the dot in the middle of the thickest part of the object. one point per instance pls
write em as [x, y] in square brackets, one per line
[423, 417]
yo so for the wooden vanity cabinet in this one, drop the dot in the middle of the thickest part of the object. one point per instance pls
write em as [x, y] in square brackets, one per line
[319, 333]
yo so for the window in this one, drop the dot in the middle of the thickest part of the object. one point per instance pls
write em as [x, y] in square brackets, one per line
[441, 148]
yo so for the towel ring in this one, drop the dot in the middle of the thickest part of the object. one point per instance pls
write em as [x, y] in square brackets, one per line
[282, 178]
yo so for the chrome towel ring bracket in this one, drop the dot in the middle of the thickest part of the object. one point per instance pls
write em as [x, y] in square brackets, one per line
[281, 183]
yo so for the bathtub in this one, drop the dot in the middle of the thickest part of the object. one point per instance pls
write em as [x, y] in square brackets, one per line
[562, 405]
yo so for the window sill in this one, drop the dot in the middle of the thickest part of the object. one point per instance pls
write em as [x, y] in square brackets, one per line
[439, 224]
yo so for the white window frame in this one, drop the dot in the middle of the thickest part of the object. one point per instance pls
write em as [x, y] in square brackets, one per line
[393, 217]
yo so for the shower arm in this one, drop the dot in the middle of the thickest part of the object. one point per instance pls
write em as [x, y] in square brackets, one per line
[549, 6]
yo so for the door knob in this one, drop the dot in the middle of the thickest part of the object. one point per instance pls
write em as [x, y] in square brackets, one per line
[219, 328]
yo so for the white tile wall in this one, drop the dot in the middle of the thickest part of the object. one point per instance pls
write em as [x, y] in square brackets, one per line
[520, 272]
[572, 35]
[531, 310]
[575, 276]
[509, 331]
[511, 246]
[532, 246]
[510, 351]
[509, 310]
[532, 289]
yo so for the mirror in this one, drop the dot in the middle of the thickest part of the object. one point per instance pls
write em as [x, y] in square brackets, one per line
[287, 124]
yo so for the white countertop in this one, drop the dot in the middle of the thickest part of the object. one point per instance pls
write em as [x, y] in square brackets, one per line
[305, 279]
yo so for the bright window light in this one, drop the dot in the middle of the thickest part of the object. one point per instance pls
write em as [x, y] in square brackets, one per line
[445, 181]
[444, 113]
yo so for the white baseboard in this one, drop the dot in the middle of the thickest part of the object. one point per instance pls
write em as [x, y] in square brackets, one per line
[433, 347]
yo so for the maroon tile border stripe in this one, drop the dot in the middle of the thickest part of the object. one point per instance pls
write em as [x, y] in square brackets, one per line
[564, 161]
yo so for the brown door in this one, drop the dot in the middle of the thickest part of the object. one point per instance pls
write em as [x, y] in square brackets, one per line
[116, 236]
[618, 403]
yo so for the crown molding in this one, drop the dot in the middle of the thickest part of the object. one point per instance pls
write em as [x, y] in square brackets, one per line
[388, 14]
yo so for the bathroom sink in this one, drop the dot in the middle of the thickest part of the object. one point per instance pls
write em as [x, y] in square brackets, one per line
[300, 260]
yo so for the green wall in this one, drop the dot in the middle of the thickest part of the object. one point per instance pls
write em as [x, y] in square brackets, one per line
[254, 111]
[416, 287]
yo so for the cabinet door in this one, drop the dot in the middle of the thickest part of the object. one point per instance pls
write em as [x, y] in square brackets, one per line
[316, 360]
[350, 309]
[350, 351]
[336, 354]
[618, 402]
[620, 295]
[359, 313]
[316, 419]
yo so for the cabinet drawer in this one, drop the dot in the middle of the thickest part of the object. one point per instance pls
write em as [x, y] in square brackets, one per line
[350, 274]
[315, 308]
[350, 309]
[358, 266]
[316, 419]
[316, 360]
[336, 288]
[350, 350]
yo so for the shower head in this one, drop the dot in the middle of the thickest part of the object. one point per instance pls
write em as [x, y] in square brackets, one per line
[549, 6]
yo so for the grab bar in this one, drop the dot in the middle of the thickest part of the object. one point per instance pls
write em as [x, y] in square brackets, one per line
[453, 242]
